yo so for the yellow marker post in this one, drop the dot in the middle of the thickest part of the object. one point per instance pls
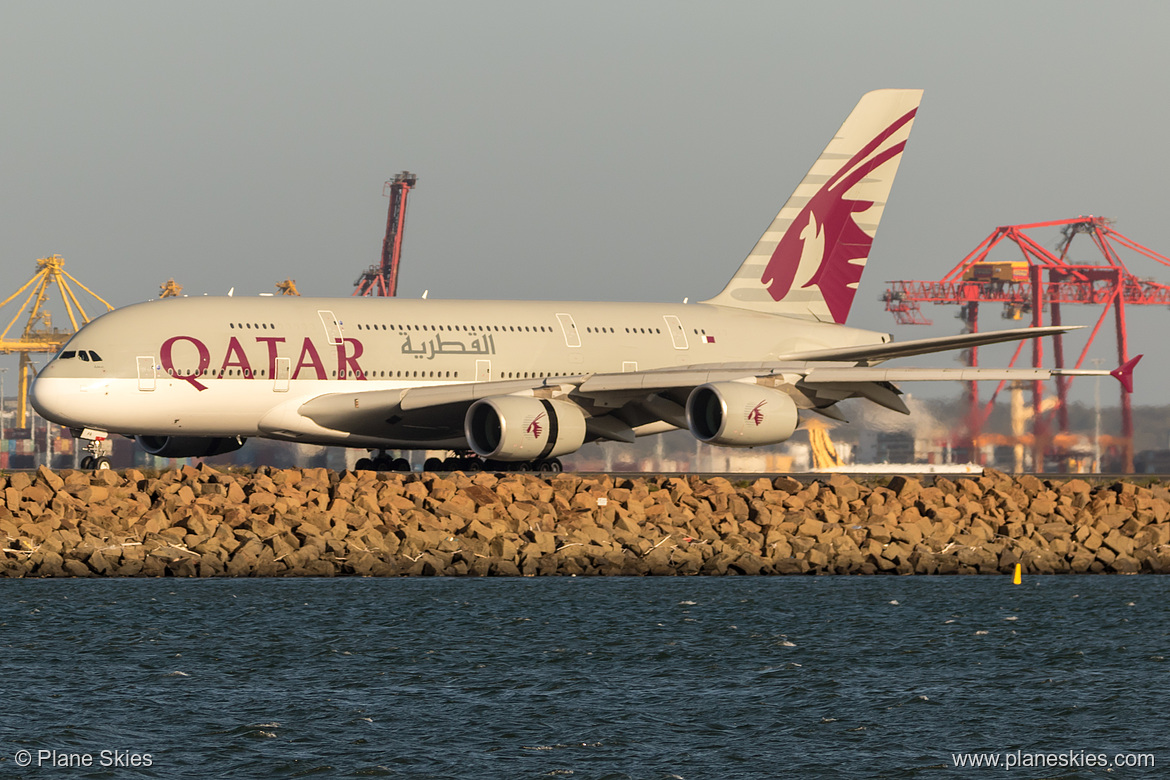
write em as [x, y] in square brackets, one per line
[1018, 576]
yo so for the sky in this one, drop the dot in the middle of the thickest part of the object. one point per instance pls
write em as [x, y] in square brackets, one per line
[567, 151]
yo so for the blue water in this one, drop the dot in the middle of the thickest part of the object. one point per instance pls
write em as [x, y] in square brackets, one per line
[614, 678]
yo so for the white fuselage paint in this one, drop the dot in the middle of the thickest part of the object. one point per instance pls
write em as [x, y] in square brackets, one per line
[215, 366]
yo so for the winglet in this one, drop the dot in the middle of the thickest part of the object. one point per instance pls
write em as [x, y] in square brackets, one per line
[1124, 373]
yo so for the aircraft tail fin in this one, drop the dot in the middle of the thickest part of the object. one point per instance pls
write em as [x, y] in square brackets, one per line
[809, 261]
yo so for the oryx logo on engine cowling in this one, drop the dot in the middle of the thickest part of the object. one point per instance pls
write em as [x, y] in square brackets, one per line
[535, 428]
[756, 414]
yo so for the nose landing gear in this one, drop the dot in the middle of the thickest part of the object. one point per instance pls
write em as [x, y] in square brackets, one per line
[97, 444]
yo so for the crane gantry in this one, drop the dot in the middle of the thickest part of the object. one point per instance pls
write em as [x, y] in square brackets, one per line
[1041, 281]
[39, 335]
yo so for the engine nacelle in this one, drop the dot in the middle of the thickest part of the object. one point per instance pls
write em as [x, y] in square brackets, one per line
[740, 415]
[516, 428]
[189, 446]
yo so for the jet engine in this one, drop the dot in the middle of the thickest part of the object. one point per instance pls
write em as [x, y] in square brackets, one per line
[189, 446]
[740, 415]
[517, 428]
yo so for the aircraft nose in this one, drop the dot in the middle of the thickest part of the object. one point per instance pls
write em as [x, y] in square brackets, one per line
[49, 398]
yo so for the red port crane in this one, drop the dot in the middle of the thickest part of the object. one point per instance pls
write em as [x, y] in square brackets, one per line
[1042, 279]
[382, 279]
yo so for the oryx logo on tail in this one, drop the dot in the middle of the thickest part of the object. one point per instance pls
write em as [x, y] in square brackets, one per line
[808, 262]
[826, 234]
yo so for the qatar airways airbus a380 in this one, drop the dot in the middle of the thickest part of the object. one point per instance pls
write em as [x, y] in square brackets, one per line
[520, 383]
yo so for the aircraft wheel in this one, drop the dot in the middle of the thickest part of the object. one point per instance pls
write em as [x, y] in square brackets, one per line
[473, 464]
[363, 464]
[400, 464]
[101, 464]
[86, 463]
[434, 464]
[552, 465]
[383, 463]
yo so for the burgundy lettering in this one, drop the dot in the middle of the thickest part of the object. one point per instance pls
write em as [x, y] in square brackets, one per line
[168, 363]
[241, 362]
[309, 358]
[271, 341]
[346, 361]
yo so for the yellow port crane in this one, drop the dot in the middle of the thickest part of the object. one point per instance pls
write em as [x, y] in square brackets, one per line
[39, 335]
[288, 287]
[171, 289]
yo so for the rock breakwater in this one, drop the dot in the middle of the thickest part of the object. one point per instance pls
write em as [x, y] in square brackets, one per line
[200, 522]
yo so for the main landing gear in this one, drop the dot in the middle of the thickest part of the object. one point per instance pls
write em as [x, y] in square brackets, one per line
[382, 462]
[469, 461]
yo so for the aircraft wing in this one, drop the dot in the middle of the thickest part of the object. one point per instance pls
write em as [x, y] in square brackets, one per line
[820, 384]
[623, 405]
[875, 353]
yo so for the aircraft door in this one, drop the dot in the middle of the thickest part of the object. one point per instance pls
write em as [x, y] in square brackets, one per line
[569, 328]
[283, 369]
[483, 371]
[332, 327]
[146, 373]
[677, 334]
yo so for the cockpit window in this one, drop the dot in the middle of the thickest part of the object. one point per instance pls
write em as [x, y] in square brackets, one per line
[67, 355]
[83, 356]
[95, 357]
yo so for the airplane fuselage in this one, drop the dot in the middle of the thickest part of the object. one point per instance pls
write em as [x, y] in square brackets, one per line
[236, 366]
